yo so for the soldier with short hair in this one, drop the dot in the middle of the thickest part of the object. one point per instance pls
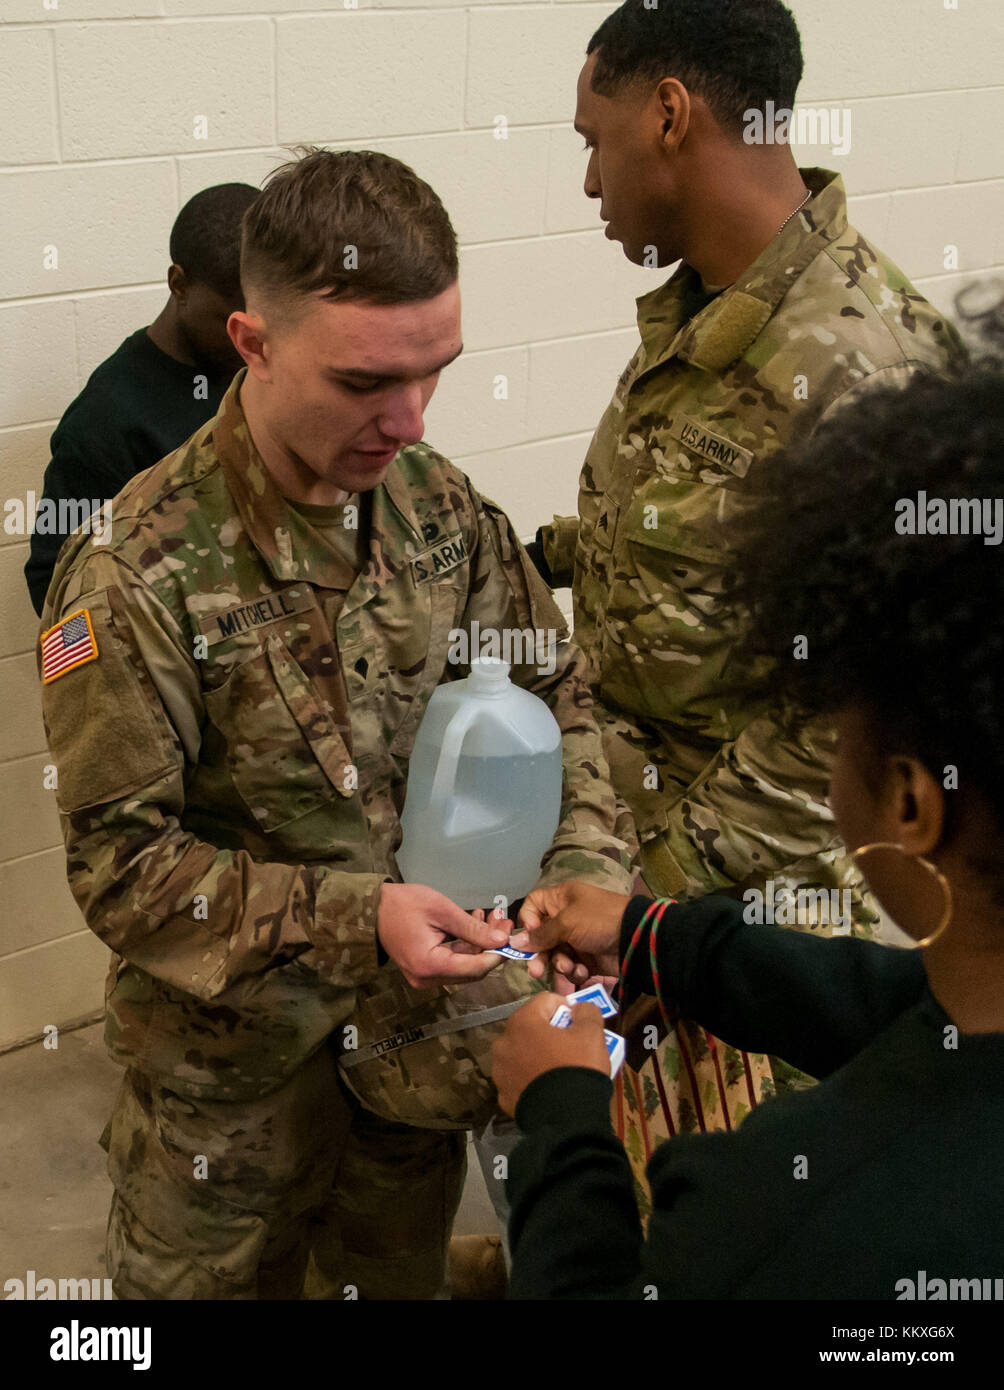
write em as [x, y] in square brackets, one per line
[779, 314]
[232, 687]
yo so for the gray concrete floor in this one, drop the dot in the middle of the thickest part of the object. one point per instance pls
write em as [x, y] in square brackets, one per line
[54, 1191]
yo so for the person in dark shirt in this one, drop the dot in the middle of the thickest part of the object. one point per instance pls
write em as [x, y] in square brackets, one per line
[157, 388]
[877, 605]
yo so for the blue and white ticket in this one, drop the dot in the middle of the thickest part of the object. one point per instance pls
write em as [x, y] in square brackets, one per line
[511, 953]
[562, 1018]
[615, 1050]
[594, 994]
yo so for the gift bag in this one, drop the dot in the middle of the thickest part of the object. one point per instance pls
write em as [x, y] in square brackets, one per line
[687, 1083]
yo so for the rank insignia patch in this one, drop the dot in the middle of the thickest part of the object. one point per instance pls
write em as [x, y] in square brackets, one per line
[68, 644]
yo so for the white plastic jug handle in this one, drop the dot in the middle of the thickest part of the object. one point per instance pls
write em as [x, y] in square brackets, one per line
[449, 755]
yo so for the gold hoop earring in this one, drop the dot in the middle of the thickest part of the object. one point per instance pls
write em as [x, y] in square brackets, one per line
[932, 868]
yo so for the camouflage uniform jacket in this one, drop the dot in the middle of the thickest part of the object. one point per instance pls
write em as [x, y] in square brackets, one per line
[719, 796]
[207, 757]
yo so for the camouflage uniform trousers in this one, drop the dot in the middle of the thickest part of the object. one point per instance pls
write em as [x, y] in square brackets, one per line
[305, 1194]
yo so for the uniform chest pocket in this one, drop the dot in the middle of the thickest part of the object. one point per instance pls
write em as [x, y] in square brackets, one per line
[284, 753]
[690, 506]
[414, 680]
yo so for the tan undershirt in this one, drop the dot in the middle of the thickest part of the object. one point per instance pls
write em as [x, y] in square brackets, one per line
[347, 541]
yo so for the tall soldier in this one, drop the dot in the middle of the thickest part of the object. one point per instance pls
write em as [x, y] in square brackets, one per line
[779, 314]
[233, 684]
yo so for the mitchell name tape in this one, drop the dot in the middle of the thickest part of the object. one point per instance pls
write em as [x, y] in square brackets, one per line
[407, 1036]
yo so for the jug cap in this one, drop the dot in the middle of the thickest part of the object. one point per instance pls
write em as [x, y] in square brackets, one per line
[489, 675]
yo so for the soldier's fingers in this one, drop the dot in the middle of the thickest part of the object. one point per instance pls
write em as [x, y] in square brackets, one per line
[497, 916]
[586, 1016]
[461, 924]
[449, 966]
[464, 948]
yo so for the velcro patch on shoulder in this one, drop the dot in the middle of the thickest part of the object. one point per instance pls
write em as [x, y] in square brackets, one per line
[439, 559]
[68, 645]
[698, 438]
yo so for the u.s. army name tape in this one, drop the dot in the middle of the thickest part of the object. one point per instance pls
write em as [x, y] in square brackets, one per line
[407, 1036]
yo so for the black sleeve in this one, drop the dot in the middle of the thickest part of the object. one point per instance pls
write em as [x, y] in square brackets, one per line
[813, 1001]
[73, 472]
[574, 1228]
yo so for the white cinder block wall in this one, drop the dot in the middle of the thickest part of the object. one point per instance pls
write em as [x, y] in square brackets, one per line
[100, 103]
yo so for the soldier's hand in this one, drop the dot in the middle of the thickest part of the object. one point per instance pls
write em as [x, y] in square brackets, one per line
[577, 927]
[530, 1046]
[431, 940]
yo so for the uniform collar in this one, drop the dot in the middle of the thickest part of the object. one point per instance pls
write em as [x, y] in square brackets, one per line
[714, 338]
[287, 543]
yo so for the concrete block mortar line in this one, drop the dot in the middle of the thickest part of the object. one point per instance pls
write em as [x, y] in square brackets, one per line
[74, 1026]
[57, 116]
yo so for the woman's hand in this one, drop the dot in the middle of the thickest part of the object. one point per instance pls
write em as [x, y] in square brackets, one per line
[577, 927]
[530, 1046]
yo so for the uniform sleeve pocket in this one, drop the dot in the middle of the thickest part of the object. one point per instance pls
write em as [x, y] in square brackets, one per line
[284, 752]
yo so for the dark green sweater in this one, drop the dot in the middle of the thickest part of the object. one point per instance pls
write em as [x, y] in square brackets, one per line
[902, 1142]
[137, 406]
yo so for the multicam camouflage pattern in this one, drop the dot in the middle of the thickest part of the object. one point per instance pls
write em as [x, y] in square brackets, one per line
[720, 797]
[297, 1192]
[207, 761]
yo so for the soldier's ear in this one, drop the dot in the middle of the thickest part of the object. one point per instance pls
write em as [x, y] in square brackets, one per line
[247, 333]
[673, 108]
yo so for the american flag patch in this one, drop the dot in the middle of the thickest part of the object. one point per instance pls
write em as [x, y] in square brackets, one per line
[69, 644]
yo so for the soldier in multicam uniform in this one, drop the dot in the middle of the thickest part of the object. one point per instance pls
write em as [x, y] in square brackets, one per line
[233, 683]
[810, 316]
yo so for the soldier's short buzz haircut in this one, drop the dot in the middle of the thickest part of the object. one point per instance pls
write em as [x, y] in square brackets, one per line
[206, 236]
[736, 54]
[347, 225]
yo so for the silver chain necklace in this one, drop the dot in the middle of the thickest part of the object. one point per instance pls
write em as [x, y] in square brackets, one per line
[792, 214]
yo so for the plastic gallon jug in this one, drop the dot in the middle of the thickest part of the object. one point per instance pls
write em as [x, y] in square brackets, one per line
[484, 789]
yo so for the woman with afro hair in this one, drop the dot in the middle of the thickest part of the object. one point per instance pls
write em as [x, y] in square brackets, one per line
[872, 600]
